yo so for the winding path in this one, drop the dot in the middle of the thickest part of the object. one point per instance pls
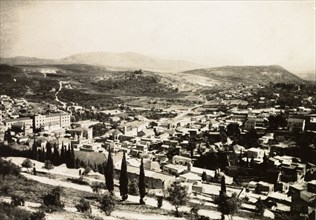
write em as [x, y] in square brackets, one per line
[64, 104]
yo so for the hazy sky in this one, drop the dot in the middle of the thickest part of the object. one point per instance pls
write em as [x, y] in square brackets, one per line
[207, 32]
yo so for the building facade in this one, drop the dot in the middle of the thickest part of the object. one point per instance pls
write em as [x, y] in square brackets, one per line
[60, 119]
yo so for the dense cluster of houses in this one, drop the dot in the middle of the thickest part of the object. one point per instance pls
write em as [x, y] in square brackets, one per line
[153, 140]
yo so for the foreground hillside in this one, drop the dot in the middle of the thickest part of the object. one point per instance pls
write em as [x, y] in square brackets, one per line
[247, 74]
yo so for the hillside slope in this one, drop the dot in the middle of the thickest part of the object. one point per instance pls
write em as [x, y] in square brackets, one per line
[247, 74]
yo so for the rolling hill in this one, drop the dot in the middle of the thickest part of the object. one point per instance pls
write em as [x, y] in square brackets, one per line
[130, 61]
[113, 61]
[246, 74]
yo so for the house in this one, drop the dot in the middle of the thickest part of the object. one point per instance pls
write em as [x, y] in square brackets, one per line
[264, 188]
[296, 124]
[190, 177]
[174, 169]
[199, 171]
[152, 165]
[92, 147]
[60, 119]
[133, 127]
[181, 160]
[81, 133]
[254, 123]
[238, 149]
[255, 152]
[303, 202]
[26, 122]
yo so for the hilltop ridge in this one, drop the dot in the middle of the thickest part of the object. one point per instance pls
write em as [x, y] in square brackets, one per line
[247, 74]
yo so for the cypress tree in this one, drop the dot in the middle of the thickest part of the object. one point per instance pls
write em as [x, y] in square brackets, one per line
[56, 156]
[101, 168]
[240, 158]
[68, 157]
[223, 186]
[63, 154]
[108, 173]
[77, 163]
[124, 179]
[265, 162]
[8, 136]
[48, 152]
[35, 155]
[252, 162]
[72, 157]
[41, 155]
[141, 183]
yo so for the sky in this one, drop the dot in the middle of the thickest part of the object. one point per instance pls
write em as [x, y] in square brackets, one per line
[212, 33]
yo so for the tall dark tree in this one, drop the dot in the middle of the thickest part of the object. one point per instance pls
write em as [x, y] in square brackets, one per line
[204, 176]
[63, 154]
[233, 130]
[141, 183]
[77, 163]
[8, 136]
[252, 162]
[72, 158]
[68, 157]
[241, 162]
[192, 146]
[41, 155]
[48, 151]
[223, 186]
[56, 157]
[109, 174]
[35, 155]
[124, 179]
[264, 164]
[101, 168]
[260, 207]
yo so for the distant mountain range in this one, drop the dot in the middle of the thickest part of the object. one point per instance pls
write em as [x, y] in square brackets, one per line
[179, 70]
[115, 61]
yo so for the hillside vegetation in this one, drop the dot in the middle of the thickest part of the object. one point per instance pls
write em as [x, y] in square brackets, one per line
[17, 83]
[247, 74]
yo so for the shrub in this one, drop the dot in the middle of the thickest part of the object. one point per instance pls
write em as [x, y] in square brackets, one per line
[96, 186]
[5, 188]
[8, 212]
[79, 180]
[107, 204]
[195, 211]
[133, 188]
[17, 200]
[39, 215]
[178, 196]
[8, 168]
[83, 206]
[159, 201]
[27, 163]
[203, 217]
[86, 171]
[227, 205]
[48, 165]
[52, 200]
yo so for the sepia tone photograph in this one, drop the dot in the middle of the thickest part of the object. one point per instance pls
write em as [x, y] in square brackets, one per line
[157, 110]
